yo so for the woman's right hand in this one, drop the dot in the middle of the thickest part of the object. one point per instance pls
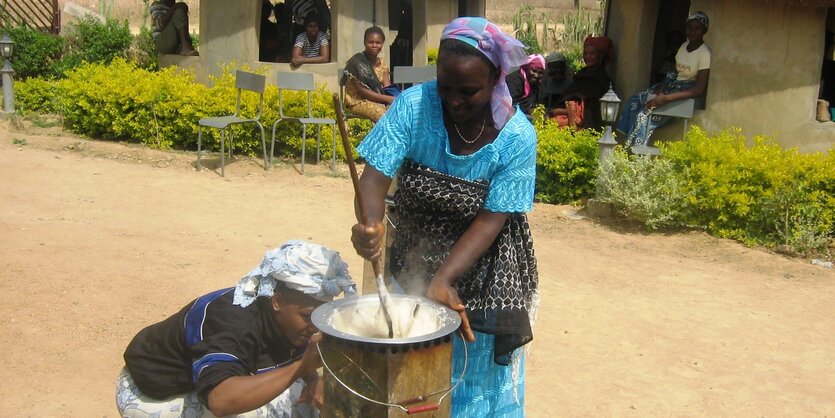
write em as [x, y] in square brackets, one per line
[310, 360]
[368, 240]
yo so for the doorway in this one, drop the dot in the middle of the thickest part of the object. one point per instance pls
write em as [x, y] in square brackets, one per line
[669, 35]
[400, 19]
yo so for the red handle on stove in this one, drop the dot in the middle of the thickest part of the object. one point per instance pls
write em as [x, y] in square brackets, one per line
[422, 408]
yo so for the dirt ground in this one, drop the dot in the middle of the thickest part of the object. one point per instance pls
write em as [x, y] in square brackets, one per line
[100, 240]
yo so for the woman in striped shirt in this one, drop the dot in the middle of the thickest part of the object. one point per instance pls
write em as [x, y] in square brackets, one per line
[311, 46]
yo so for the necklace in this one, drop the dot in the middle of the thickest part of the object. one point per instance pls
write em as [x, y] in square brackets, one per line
[471, 141]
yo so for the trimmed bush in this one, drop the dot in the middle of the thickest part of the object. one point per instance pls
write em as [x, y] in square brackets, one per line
[90, 40]
[757, 193]
[161, 109]
[39, 54]
[143, 50]
[35, 52]
[566, 162]
[642, 188]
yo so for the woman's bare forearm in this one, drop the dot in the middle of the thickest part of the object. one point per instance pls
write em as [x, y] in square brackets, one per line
[475, 241]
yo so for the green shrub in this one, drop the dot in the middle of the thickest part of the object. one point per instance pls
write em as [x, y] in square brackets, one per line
[566, 161]
[90, 40]
[642, 188]
[758, 194]
[36, 95]
[432, 56]
[574, 56]
[161, 109]
[143, 51]
[35, 51]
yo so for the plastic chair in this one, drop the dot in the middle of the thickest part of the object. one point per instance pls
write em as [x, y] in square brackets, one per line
[243, 81]
[299, 81]
[403, 75]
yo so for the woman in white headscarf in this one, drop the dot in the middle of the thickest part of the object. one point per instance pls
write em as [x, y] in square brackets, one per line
[238, 350]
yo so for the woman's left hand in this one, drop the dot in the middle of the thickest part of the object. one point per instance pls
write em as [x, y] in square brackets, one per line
[659, 100]
[441, 290]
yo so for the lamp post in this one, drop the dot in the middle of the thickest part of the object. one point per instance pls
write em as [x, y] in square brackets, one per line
[609, 106]
[6, 50]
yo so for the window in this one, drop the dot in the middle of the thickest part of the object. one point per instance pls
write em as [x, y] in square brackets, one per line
[283, 21]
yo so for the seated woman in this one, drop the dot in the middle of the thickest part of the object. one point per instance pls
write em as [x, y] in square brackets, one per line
[312, 45]
[557, 79]
[524, 84]
[365, 78]
[251, 348]
[688, 81]
[590, 83]
[169, 25]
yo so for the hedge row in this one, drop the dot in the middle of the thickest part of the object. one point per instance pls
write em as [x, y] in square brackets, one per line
[750, 190]
[40, 54]
[161, 108]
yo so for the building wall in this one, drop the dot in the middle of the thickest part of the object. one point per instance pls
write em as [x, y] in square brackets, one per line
[765, 70]
[229, 33]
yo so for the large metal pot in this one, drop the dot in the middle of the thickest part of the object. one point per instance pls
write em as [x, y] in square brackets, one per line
[373, 377]
[447, 322]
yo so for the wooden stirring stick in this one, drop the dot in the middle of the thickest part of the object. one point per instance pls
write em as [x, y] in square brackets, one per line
[375, 264]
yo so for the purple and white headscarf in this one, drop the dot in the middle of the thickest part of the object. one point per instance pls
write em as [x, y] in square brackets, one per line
[503, 50]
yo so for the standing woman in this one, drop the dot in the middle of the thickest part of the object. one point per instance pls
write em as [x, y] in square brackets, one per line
[466, 161]
[311, 46]
[688, 81]
[365, 78]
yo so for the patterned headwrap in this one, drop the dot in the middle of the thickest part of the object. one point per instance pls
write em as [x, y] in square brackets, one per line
[504, 51]
[701, 17]
[308, 268]
[603, 45]
[533, 61]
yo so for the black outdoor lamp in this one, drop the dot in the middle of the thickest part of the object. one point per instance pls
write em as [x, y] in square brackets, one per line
[6, 47]
[609, 106]
[6, 50]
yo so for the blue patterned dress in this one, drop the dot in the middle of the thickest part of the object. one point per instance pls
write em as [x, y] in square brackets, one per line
[411, 138]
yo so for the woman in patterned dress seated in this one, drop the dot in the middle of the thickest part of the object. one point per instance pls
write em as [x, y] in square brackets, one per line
[365, 78]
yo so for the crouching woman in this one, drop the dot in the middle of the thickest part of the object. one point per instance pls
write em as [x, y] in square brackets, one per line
[247, 350]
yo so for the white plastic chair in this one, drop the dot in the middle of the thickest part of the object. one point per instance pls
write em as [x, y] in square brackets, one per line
[299, 81]
[243, 81]
[403, 75]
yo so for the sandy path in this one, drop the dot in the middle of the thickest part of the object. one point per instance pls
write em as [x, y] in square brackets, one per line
[99, 240]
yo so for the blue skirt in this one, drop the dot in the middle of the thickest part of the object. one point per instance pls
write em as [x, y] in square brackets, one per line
[638, 122]
[488, 389]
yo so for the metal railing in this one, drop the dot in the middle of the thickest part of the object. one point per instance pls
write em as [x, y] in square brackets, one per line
[40, 14]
